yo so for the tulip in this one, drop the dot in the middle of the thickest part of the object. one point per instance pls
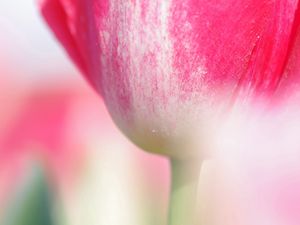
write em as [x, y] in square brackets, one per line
[171, 72]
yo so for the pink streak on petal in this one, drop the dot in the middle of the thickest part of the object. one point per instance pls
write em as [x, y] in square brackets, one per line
[243, 44]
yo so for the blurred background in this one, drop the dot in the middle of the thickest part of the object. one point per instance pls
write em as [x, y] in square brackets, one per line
[62, 160]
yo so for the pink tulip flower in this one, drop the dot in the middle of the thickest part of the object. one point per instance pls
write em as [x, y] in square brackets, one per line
[174, 73]
[164, 68]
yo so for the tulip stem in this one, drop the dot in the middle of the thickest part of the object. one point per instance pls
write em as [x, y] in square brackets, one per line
[184, 192]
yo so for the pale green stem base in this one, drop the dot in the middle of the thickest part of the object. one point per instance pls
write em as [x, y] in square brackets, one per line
[184, 192]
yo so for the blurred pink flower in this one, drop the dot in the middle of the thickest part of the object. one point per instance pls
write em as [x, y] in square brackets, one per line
[34, 125]
[64, 127]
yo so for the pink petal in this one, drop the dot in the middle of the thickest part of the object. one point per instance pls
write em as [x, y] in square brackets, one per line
[244, 45]
[72, 23]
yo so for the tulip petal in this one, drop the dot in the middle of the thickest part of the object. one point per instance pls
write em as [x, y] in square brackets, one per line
[73, 25]
[57, 19]
[245, 45]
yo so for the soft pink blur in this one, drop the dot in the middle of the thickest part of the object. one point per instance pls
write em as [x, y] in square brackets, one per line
[63, 127]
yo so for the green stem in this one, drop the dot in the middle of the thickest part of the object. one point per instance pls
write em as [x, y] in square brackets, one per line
[184, 192]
